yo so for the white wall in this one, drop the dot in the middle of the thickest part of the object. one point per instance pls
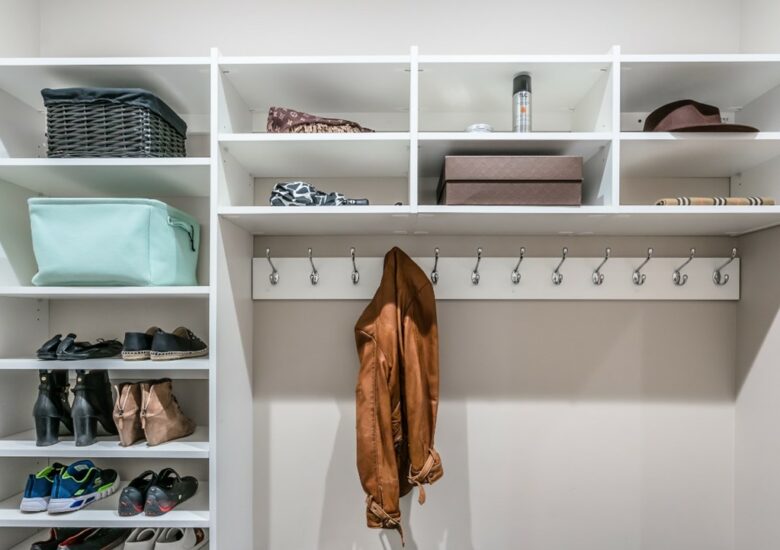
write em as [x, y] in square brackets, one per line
[151, 27]
[19, 28]
[759, 26]
[758, 407]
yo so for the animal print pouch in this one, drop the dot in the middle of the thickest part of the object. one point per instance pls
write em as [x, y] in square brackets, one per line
[287, 121]
[300, 193]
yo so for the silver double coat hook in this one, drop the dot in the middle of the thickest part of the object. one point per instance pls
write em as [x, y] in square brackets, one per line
[516, 271]
[637, 276]
[274, 275]
[557, 276]
[435, 272]
[678, 277]
[598, 276]
[475, 273]
[314, 276]
[355, 272]
[720, 278]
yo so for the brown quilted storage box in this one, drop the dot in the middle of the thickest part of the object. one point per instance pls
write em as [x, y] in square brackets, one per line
[511, 180]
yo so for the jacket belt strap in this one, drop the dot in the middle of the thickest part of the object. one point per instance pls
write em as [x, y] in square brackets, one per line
[422, 476]
[387, 521]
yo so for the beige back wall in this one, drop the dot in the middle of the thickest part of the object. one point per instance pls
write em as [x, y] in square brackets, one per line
[191, 27]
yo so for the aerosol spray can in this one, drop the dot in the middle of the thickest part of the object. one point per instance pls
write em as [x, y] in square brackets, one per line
[521, 103]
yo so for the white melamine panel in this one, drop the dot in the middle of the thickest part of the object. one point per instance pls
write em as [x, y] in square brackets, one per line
[504, 220]
[456, 91]
[455, 279]
[320, 155]
[181, 82]
[118, 369]
[103, 513]
[729, 82]
[73, 292]
[23, 444]
[372, 90]
[110, 177]
[695, 155]
[594, 220]
[331, 220]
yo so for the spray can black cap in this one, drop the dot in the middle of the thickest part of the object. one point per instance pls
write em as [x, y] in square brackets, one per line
[521, 83]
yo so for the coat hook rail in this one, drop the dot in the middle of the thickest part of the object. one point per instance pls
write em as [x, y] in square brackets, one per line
[485, 277]
[678, 277]
[557, 276]
[598, 276]
[720, 278]
[516, 271]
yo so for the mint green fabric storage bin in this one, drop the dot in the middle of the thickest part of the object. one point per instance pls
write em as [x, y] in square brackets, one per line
[113, 242]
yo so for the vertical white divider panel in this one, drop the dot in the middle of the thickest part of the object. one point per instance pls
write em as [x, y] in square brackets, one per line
[414, 121]
[495, 282]
[616, 68]
[231, 326]
[214, 111]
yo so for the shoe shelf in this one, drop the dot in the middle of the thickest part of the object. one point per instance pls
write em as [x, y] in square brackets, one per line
[22, 444]
[78, 292]
[197, 367]
[103, 513]
[44, 535]
[165, 177]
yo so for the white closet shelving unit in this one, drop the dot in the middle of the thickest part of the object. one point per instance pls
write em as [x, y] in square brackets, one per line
[589, 105]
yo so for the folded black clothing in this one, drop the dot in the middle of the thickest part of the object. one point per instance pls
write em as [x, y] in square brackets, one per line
[300, 193]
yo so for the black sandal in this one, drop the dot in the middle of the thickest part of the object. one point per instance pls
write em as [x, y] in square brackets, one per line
[70, 350]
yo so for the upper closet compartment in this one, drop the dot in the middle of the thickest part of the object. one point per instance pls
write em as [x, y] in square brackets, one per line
[338, 123]
[466, 107]
[182, 83]
[686, 153]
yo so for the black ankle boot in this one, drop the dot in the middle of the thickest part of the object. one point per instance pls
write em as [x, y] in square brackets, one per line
[52, 407]
[93, 403]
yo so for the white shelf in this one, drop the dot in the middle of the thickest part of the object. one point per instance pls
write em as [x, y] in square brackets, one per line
[727, 81]
[595, 220]
[435, 145]
[504, 220]
[182, 82]
[320, 155]
[23, 445]
[701, 155]
[141, 177]
[186, 369]
[318, 220]
[103, 513]
[77, 292]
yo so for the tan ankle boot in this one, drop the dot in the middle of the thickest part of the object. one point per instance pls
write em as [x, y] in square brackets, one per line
[127, 413]
[161, 416]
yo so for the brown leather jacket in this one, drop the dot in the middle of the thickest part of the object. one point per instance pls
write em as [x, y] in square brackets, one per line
[397, 392]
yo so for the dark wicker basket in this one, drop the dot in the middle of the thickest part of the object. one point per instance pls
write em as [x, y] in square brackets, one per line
[110, 129]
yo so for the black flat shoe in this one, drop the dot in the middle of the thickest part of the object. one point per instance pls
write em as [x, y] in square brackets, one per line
[70, 350]
[180, 344]
[169, 491]
[56, 536]
[133, 497]
[48, 351]
[138, 345]
[96, 539]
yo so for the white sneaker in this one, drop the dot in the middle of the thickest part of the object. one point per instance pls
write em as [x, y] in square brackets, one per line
[142, 539]
[182, 539]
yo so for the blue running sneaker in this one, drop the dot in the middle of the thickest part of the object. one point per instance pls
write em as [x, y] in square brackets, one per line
[38, 490]
[81, 484]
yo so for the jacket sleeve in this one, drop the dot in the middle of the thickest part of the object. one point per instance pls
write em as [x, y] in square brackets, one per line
[376, 459]
[421, 387]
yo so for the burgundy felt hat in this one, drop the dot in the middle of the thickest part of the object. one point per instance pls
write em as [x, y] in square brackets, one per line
[687, 115]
